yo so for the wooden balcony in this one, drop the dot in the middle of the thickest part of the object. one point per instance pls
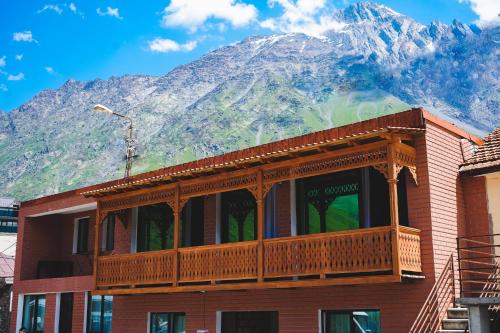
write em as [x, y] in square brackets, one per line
[347, 257]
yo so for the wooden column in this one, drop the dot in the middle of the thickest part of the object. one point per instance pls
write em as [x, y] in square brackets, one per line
[177, 217]
[260, 226]
[97, 233]
[392, 179]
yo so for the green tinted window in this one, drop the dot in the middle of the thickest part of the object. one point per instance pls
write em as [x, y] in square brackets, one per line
[155, 228]
[238, 221]
[357, 321]
[167, 323]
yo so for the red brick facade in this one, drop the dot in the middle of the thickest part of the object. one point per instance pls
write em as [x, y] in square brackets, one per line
[442, 206]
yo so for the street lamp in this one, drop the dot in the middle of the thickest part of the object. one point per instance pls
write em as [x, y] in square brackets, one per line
[130, 140]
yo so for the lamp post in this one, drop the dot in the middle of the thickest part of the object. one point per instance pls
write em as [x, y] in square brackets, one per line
[130, 140]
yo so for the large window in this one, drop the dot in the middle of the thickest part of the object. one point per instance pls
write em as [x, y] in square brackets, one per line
[34, 313]
[167, 322]
[250, 322]
[108, 233]
[192, 227]
[347, 200]
[239, 218]
[155, 228]
[99, 314]
[330, 202]
[357, 321]
[82, 235]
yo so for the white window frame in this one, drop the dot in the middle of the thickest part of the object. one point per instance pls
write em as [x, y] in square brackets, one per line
[20, 305]
[133, 230]
[75, 233]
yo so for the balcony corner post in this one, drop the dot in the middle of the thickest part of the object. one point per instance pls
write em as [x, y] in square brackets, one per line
[177, 214]
[260, 226]
[392, 179]
[96, 243]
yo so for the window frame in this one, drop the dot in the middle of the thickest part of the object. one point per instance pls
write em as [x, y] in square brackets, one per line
[35, 312]
[224, 217]
[108, 233]
[171, 319]
[88, 321]
[143, 233]
[350, 312]
[76, 236]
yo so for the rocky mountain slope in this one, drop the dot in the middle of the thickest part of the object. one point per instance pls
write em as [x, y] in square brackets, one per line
[259, 90]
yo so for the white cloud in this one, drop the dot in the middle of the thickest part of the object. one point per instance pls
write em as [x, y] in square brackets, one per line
[487, 10]
[162, 45]
[192, 14]
[113, 12]
[49, 70]
[24, 36]
[2, 61]
[17, 77]
[53, 8]
[312, 17]
[19, 57]
[3, 87]
[72, 7]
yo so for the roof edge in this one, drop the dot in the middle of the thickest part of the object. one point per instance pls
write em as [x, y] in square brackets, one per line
[451, 127]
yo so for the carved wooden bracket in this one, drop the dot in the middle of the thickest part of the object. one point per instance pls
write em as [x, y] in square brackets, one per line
[382, 168]
[413, 173]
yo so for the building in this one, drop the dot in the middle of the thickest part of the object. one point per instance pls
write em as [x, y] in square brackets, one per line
[340, 230]
[9, 209]
[480, 274]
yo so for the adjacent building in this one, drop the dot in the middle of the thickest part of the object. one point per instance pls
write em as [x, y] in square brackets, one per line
[9, 209]
[344, 230]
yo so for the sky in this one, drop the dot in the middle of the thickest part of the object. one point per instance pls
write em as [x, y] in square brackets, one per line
[45, 43]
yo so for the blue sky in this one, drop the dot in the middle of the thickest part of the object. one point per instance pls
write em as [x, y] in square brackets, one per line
[45, 43]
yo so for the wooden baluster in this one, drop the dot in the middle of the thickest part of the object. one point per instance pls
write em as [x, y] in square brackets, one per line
[392, 179]
[260, 226]
[96, 242]
[177, 215]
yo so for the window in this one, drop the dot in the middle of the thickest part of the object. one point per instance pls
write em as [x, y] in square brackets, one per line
[347, 200]
[329, 202]
[155, 228]
[192, 227]
[351, 321]
[99, 314]
[167, 322]
[239, 218]
[34, 313]
[250, 322]
[82, 236]
[108, 233]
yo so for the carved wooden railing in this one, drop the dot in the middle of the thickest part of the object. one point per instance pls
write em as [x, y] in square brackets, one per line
[409, 249]
[218, 262]
[345, 252]
[441, 297]
[359, 251]
[139, 268]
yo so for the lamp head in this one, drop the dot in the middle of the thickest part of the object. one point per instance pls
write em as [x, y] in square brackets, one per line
[102, 108]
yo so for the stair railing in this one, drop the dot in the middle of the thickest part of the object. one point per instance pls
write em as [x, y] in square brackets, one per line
[441, 297]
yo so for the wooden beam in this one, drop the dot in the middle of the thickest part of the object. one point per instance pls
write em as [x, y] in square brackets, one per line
[392, 179]
[376, 279]
[177, 218]
[260, 226]
[96, 242]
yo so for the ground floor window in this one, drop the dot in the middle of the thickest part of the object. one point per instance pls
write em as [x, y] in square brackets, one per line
[34, 313]
[250, 322]
[100, 314]
[351, 321]
[165, 322]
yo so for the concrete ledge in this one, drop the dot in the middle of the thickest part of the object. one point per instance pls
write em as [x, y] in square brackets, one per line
[479, 301]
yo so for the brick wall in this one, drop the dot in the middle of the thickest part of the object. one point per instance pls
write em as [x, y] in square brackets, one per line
[209, 207]
[444, 156]
[51, 238]
[298, 308]
[477, 220]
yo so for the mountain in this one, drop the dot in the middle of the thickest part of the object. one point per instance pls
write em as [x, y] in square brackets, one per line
[262, 89]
